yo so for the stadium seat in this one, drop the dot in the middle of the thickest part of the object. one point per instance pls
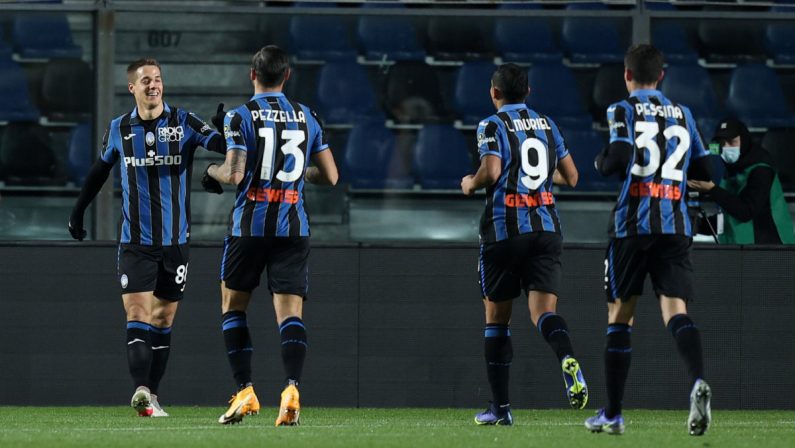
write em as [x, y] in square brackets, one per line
[731, 41]
[671, 39]
[64, 96]
[81, 153]
[553, 92]
[413, 93]
[447, 42]
[344, 94]
[583, 146]
[756, 98]
[608, 88]
[591, 40]
[525, 40]
[780, 39]
[26, 156]
[441, 157]
[779, 143]
[691, 85]
[390, 38]
[5, 48]
[43, 36]
[371, 160]
[471, 97]
[320, 38]
[16, 105]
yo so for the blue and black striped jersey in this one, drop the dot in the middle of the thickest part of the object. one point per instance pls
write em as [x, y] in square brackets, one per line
[529, 146]
[156, 164]
[278, 136]
[664, 140]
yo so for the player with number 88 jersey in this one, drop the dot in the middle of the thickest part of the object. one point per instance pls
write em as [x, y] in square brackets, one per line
[521, 154]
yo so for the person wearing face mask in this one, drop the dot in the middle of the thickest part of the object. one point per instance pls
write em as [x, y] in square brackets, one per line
[750, 193]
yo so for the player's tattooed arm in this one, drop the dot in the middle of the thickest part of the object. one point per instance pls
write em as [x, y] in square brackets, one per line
[232, 170]
[325, 170]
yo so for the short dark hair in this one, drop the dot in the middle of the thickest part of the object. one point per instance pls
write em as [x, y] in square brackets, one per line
[645, 62]
[511, 80]
[135, 65]
[271, 64]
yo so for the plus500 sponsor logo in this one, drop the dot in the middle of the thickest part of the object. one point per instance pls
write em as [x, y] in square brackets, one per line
[154, 160]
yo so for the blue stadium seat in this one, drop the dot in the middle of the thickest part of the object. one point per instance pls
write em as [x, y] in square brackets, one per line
[525, 40]
[441, 157]
[80, 153]
[583, 147]
[321, 38]
[671, 39]
[344, 94]
[756, 97]
[591, 40]
[16, 105]
[43, 36]
[390, 38]
[471, 98]
[731, 41]
[445, 41]
[62, 95]
[5, 48]
[608, 88]
[780, 39]
[553, 92]
[691, 85]
[370, 158]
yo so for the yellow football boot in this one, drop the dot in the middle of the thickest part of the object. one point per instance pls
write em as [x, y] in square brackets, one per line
[289, 408]
[242, 403]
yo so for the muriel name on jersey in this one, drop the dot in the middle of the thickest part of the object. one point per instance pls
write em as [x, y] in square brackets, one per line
[279, 116]
[528, 124]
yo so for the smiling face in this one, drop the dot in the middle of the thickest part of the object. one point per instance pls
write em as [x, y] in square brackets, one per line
[146, 85]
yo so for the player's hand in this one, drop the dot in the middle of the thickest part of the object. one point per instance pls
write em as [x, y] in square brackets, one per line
[76, 227]
[466, 185]
[218, 118]
[210, 184]
[701, 186]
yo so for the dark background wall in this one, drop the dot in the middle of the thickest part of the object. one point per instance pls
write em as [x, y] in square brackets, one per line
[389, 326]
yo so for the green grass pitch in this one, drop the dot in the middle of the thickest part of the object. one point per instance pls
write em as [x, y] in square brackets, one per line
[337, 427]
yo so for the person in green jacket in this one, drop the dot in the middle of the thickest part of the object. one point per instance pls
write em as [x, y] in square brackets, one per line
[755, 211]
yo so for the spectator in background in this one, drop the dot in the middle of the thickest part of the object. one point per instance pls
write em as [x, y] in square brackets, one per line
[750, 193]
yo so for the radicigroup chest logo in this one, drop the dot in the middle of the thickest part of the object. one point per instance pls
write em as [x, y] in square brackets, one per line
[170, 134]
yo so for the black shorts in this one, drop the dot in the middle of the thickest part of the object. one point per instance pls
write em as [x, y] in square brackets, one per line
[162, 269]
[665, 257]
[286, 260]
[530, 261]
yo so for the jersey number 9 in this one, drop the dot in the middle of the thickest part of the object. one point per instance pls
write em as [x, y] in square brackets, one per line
[291, 147]
[535, 175]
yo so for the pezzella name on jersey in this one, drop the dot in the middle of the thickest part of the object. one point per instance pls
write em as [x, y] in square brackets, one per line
[154, 159]
[279, 116]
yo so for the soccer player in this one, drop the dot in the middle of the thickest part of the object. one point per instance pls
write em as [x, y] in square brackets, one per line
[653, 144]
[270, 140]
[155, 144]
[521, 153]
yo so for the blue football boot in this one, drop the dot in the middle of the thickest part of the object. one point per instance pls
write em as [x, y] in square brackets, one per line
[495, 415]
[600, 423]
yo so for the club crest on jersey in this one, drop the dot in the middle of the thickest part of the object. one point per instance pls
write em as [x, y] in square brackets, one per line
[150, 138]
[170, 134]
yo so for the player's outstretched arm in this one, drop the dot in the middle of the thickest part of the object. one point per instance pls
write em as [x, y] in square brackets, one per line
[324, 171]
[96, 177]
[488, 174]
[230, 172]
[566, 173]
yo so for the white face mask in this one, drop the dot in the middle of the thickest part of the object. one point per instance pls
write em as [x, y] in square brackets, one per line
[730, 154]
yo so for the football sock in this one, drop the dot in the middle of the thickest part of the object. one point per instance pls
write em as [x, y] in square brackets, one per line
[238, 346]
[499, 354]
[688, 341]
[293, 335]
[556, 333]
[139, 352]
[618, 355]
[161, 347]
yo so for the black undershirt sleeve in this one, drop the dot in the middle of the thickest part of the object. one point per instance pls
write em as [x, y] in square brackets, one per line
[217, 144]
[96, 177]
[700, 169]
[614, 159]
[752, 200]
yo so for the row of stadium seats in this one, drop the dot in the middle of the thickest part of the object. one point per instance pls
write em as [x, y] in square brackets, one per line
[38, 36]
[370, 156]
[65, 91]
